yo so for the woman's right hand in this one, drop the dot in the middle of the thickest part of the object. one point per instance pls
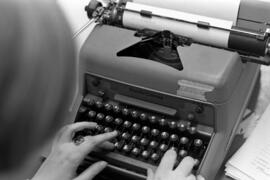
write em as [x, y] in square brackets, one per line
[181, 172]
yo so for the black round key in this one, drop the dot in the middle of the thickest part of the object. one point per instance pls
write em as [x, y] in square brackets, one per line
[155, 132]
[184, 140]
[155, 157]
[134, 114]
[172, 124]
[144, 141]
[181, 126]
[163, 147]
[125, 111]
[108, 119]
[153, 119]
[163, 122]
[101, 93]
[116, 109]
[99, 104]
[118, 145]
[135, 151]
[108, 107]
[99, 129]
[82, 110]
[135, 139]
[198, 142]
[145, 129]
[92, 114]
[192, 130]
[125, 135]
[145, 154]
[100, 116]
[190, 117]
[88, 101]
[174, 137]
[118, 121]
[127, 124]
[182, 153]
[164, 135]
[107, 129]
[127, 148]
[136, 126]
[153, 144]
[197, 162]
[143, 116]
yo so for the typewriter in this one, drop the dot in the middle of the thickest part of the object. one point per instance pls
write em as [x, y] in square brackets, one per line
[165, 77]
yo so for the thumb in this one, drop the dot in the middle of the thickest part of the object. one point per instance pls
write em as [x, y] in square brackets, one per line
[199, 177]
[92, 171]
[150, 174]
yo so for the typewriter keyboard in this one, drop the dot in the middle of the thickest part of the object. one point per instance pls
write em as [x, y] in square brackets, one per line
[142, 134]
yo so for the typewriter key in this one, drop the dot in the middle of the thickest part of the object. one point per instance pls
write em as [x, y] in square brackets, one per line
[99, 104]
[173, 137]
[155, 132]
[192, 130]
[100, 116]
[153, 144]
[198, 142]
[118, 145]
[135, 151]
[164, 135]
[144, 141]
[153, 119]
[118, 121]
[134, 114]
[172, 124]
[184, 140]
[163, 147]
[145, 129]
[155, 157]
[136, 126]
[125, 111]
[143, 116]
[108, 107]
[127, 124]
[125, 135]
[82, 110]
[182, 153]
[92, 114]
[135, 139]
[116, 109]
[107, 129]
[145, 154]
[162, 122]
[127, 148]
[108, 119]
[181, 126]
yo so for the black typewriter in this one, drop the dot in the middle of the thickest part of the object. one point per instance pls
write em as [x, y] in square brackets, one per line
[146, 130]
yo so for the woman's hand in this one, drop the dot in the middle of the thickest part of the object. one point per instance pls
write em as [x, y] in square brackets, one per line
[181, 172]
[66, 155]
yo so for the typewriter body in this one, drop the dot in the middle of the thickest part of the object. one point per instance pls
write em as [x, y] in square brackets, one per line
[179, 93]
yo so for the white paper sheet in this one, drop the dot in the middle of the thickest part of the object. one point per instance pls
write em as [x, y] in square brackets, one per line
[253, 158]
[208, 36]
[221, 9]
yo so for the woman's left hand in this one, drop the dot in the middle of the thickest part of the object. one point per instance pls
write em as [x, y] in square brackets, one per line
[66, 155]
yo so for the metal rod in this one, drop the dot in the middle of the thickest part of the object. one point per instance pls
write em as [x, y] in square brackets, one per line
[256, 35]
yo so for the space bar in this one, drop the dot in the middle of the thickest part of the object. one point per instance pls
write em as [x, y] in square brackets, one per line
[116, 164]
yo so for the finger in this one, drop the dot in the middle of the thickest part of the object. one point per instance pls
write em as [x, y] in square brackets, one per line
[92, 171]
[167, 162]
[70, 130]
[191, 177]
[186, 165]
[199, 177]
[93, 141]
[150, 174]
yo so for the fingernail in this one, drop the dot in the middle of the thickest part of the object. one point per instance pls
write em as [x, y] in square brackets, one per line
[103, 163]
